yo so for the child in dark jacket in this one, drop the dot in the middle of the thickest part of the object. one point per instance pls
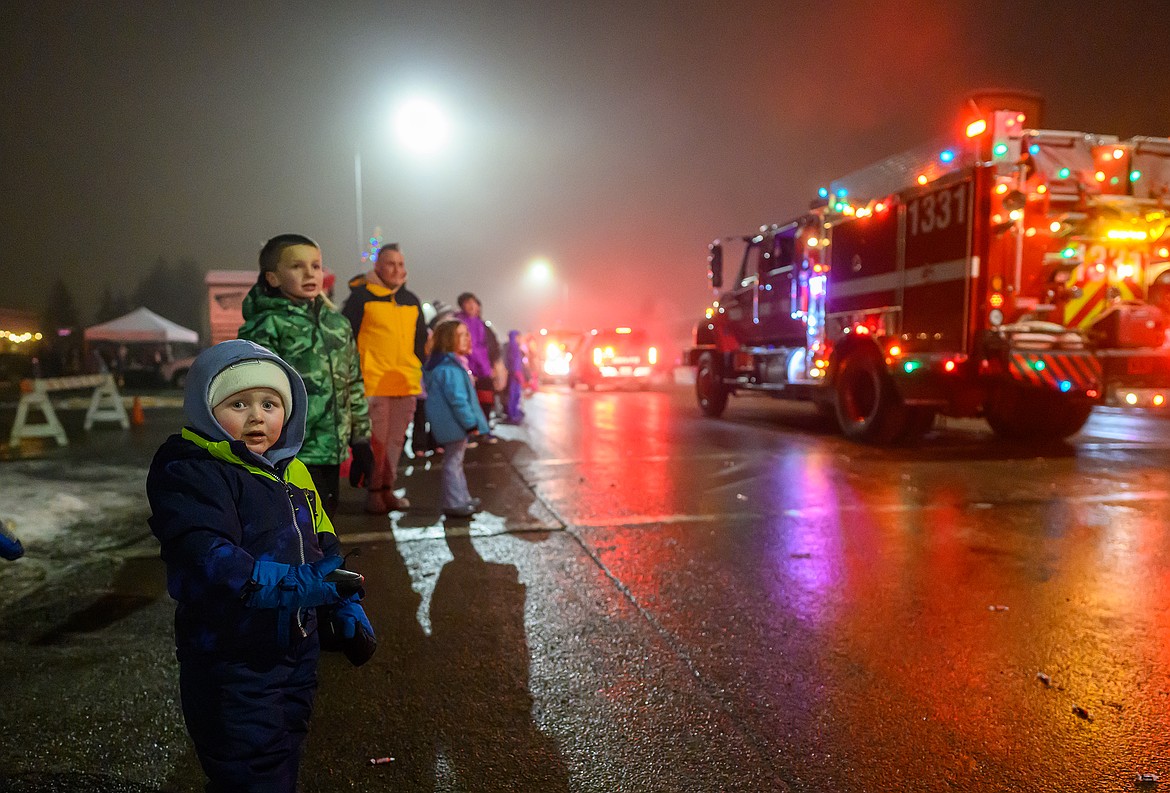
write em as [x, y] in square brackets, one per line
[247, 548]
[453, 411]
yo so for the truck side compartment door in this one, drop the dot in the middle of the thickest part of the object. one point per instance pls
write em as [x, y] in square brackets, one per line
[937, 263]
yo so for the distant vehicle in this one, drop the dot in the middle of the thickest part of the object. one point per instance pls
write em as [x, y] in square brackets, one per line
[174, 372]
[620, 356]
[553, 354]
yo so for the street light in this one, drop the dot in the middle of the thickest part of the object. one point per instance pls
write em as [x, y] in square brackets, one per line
[421, 128]
[539, 271]
[541, 274]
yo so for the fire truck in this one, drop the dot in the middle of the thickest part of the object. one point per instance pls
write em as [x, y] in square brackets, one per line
[1012, 273]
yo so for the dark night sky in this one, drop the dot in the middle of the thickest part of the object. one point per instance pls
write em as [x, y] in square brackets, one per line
[613, 138]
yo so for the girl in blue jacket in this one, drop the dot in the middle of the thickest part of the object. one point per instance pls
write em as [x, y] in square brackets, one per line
[454, 412]
[247, 547]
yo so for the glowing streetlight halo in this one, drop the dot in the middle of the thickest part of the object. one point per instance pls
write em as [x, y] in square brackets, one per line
[545, 280]
[540, 270]
[421, 129]
[422, 126]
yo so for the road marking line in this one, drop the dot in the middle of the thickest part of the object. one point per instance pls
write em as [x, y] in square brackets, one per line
[486, 524]
[616, 521]
[644, 520]
[482, 525]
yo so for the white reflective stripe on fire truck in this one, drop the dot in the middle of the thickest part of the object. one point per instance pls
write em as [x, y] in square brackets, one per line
[954, 270]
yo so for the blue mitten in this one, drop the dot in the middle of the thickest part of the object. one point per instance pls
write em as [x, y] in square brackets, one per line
[350, 615]
[281, 586]
[345, 627]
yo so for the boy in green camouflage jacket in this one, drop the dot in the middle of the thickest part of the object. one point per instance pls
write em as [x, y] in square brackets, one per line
[287, 312]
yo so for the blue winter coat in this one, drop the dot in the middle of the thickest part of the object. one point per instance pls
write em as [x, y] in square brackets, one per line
[452, 407]
[217, 508]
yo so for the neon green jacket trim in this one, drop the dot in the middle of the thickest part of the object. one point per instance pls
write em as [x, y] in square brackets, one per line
[295, 473]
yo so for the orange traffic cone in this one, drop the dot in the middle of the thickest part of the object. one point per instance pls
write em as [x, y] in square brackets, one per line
[137, 416]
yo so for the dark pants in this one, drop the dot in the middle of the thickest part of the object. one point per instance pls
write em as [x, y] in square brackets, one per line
[421, 439]
[248, 719]
[485, 392]
[327, 480]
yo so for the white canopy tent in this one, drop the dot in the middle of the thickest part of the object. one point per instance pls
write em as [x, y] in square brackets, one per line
[140, 325]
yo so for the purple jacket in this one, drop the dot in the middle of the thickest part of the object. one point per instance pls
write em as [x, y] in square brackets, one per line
[479, 361]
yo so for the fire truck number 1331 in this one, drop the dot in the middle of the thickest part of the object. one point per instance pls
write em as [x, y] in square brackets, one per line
[937, 211]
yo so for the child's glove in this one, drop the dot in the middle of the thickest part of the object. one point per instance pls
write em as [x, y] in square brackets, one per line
[346, 628]
[351, 616]
[361, 467]
[280, 586]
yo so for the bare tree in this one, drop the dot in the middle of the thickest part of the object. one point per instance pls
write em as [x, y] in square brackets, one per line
[173, 291]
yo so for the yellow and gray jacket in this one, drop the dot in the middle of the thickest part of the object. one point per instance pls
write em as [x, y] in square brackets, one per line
[391, 335]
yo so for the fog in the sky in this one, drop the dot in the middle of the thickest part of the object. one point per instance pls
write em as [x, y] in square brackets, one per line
[614, 139]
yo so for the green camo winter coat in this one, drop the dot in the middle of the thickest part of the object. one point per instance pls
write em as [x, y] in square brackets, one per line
[318, 342]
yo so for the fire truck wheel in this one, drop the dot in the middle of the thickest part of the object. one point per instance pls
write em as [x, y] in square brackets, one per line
[1070, 417]
[869, 408]
[1018, 413]
[709, 388]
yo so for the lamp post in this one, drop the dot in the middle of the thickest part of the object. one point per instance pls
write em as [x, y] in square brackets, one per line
[421, 129]
[357, 199]
[541, 274]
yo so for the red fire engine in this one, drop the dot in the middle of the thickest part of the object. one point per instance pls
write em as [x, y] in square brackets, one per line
[1012, 273]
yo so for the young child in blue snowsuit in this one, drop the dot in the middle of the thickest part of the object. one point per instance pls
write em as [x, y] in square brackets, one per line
[454, 412]
[516, 362]
[247, 548]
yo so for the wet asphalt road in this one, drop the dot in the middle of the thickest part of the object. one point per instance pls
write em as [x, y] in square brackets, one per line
[655, 602]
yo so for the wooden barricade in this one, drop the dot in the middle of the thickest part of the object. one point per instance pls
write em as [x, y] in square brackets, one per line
[104, 405]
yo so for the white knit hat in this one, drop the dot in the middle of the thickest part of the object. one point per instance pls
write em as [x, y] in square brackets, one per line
[254, 373]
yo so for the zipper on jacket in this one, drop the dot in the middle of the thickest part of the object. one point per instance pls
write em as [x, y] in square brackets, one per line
[292, 508]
